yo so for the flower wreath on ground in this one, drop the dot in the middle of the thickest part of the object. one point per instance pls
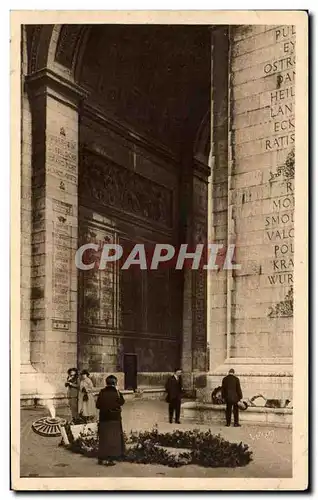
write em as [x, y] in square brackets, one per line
[173, 449]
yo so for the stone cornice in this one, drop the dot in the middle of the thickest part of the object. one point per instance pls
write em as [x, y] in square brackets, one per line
[201, 170]
[129, 134]
[260, 361]
[46, 82]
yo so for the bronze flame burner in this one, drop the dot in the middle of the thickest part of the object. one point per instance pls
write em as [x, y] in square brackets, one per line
[48, 426]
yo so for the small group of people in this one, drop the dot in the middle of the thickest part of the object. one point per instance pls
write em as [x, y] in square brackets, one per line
[109, 402]
[80, 390]
[80, 393]
[231, 394]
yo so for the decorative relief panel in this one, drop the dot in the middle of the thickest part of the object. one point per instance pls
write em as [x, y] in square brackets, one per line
[284, 308]
[199, 340]
[199, 311]
[69, 36]
[112, 185]
[35, 39]
[286, 171]
[97, 287]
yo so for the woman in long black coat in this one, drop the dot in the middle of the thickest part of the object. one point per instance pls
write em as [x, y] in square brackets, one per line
[110, 431]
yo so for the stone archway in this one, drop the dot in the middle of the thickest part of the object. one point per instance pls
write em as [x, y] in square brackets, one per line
[56, 47]
[65, 117]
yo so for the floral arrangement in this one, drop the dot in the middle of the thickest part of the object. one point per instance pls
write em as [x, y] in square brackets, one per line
[150, 447]
[86, 443]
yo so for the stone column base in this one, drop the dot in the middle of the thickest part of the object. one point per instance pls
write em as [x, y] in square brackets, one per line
[39, 389]
[40, 385]
[269, 379]
[204, 413]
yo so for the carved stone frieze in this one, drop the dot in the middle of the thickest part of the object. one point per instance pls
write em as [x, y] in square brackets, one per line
[34, 47]
[200, 232]
[286, 170]
[67, 43]
[199, 308]
[111, 185]
[284, 308]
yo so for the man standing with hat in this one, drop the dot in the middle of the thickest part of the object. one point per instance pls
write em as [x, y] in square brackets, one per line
[231, 394]
[174, 394]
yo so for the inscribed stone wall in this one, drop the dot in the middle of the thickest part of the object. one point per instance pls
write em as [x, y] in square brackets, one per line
[262, 195]
[54, 235]
[26, 228]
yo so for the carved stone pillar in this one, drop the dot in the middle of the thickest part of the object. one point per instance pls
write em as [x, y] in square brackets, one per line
[187, 319]
[26, 217]
[54, 225]
[250, 308]
[218, 197]
[194, 352]
[200, 228]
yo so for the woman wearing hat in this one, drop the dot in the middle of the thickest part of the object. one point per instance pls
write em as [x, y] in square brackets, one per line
[110, 431]
[86, 401]
[72, 385]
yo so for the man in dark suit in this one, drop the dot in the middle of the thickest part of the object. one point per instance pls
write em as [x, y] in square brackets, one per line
[174, 394]
[231, 394]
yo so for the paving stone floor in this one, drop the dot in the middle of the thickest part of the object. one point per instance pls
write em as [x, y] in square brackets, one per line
[42, 457]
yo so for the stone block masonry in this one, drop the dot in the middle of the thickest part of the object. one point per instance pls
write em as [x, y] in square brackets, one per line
[96, 178]
[259, 145]
[266, 199]
[53, 330]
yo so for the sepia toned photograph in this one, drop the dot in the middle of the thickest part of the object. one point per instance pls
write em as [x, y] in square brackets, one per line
[158, 265]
